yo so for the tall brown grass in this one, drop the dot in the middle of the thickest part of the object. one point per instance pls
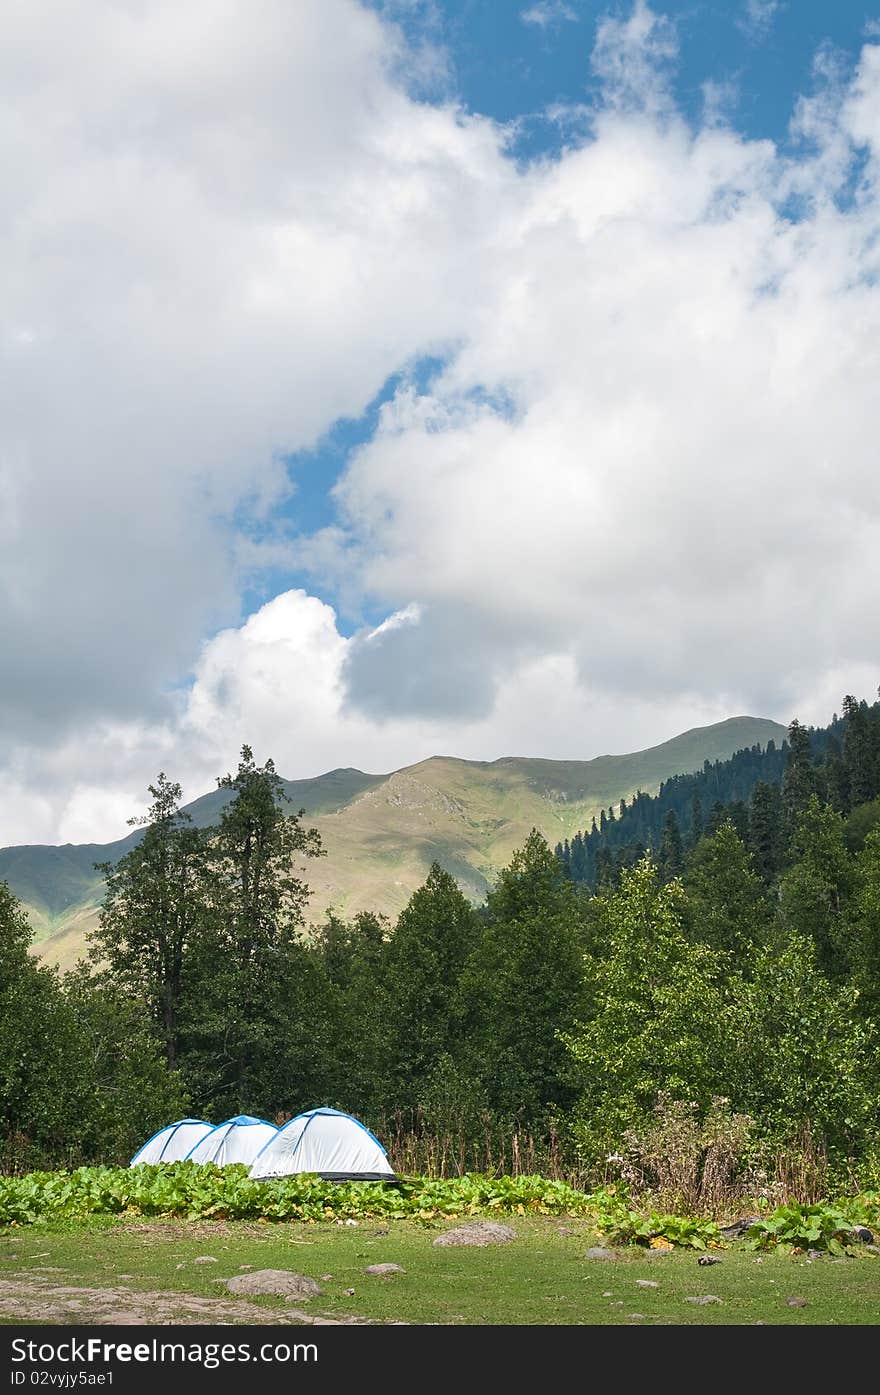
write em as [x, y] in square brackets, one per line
[415, 1148]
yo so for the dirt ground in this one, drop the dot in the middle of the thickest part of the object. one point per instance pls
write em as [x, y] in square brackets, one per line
[39, 1298]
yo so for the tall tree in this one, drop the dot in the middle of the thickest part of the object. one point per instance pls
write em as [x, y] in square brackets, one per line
[434, 934]
[257, 859]
[654, 1018]
[724, 902]
[671, 847]
[696, 826]
[865, 936]
[815, 893]
[155, 909]
[37, 1040]
[859, 752]
[767, 834]
[522, 984]
[799, 780]
[81, 1071]
[362, 1012]
[799, 1055]
[259, 895]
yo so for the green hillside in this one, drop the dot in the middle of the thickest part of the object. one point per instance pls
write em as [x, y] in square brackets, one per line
[382, 832]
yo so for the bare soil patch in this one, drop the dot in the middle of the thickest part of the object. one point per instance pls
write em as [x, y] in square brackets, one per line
[34, 1298]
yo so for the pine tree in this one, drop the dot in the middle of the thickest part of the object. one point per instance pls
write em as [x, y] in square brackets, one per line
[857, 752]
[604, 868]
[696, 828]
[766, 831]
[798, 783]
[522, 984]
[671, 848]
[423, 962]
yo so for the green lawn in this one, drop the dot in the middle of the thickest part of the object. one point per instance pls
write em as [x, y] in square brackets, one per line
[543, 1277]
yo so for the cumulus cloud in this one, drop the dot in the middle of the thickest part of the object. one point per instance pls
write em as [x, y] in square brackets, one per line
[221, 231]
[638, 493]
[679, 491]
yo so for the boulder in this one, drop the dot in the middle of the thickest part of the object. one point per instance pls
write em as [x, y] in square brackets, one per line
[477, 1233]
[278, 1281]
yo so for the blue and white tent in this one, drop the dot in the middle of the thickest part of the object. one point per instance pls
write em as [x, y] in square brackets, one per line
[237, 1140]
[336, 1146]
[172, 1143]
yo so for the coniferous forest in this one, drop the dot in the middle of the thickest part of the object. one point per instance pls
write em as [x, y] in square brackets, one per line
[700, 967]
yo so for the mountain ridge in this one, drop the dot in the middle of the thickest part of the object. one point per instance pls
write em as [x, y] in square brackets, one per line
[383, 831]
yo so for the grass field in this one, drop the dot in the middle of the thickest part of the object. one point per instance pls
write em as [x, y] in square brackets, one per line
[147, 1271]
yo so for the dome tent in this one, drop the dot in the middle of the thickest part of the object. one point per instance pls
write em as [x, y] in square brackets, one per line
[334, 1145]
[172, 1143]
[237, 1140]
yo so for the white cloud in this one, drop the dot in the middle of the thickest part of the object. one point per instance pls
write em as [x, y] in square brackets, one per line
[641, 493]
[548, 13]
[758, 16]
[633, 57]
[683, 495]
[220, 231]
[281, 678]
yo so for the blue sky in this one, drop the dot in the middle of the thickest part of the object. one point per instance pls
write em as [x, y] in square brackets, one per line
[512, 69]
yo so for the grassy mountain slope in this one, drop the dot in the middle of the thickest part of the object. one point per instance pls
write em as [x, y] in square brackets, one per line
[382, 832]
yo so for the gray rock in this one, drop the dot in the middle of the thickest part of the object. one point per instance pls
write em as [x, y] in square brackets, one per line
[709, 1259]
[380, 1270]
[205, 1259]
[703, 1298]
[862, 1233]
[796, 1302]
[477, 1233]
[647, 1283]
[281, 1281]
[600, 1252]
